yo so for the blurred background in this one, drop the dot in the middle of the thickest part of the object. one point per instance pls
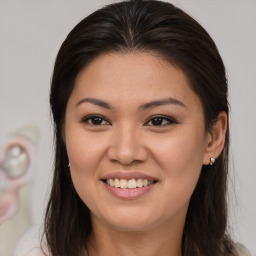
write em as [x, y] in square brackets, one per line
[31, 33]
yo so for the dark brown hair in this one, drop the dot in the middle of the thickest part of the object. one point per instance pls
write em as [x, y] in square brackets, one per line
[142, 26]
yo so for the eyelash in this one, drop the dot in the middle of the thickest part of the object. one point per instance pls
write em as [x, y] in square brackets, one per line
[98, 118]
[88, 120]
[162, 118]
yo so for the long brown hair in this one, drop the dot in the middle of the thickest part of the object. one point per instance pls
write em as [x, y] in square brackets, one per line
[141, 25]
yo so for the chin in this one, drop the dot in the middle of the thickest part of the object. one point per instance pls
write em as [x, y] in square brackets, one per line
[131, 225]
[130, 220]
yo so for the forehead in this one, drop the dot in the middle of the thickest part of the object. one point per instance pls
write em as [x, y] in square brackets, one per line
[132, 75]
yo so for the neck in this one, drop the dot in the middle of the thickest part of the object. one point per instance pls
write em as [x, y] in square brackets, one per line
[161, 241]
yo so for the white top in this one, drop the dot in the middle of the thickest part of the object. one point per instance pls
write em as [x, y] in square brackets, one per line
[29, 245]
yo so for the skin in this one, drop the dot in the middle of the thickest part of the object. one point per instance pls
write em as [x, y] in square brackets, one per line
[126, 140]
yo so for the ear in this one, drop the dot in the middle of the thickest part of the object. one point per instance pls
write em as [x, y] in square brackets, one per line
[215, 138]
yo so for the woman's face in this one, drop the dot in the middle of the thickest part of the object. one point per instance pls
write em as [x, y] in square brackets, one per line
[136, 141]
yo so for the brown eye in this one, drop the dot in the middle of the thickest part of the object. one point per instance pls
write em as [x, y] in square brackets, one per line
[95, 120]
[160, 121]
[157, 121]
[16, 162]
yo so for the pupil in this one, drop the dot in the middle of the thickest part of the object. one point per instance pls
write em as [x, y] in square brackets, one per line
[97, 120]
[157, 121]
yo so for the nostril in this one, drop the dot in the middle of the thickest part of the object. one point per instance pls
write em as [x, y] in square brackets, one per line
[127, 151]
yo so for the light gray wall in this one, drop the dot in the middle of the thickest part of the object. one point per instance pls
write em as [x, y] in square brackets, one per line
[30, 35]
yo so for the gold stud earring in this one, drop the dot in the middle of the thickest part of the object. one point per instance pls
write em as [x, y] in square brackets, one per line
[212, 161]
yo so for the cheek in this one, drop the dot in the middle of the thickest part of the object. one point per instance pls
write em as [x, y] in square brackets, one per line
[181, 152]
[85, 154]
[84, 151]
[180, 159]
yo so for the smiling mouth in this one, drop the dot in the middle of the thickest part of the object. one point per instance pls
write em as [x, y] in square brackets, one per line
[129, 184]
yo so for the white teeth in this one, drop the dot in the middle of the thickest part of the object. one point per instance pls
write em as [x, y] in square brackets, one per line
[123, 183]
[139, 183]
[116, 183]
[132, 183]
[145, 183]
[111, 183]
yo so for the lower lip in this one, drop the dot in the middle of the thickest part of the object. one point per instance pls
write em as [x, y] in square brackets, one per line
[128, 193]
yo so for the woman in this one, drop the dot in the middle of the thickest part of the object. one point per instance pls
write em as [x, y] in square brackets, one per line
[139, 103]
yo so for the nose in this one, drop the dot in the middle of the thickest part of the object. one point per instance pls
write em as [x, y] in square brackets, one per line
[127, 146]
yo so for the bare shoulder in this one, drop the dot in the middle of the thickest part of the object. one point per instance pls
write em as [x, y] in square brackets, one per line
[31, 243]
[242, 250]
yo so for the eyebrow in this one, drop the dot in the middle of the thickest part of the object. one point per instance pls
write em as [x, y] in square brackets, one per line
[161, 102]
[97, 102]
[155, 103]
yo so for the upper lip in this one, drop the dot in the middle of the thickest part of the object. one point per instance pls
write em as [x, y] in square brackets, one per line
[128, 175]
